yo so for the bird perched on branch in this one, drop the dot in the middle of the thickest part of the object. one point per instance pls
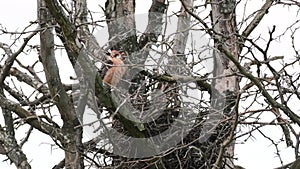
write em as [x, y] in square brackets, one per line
[113, 69]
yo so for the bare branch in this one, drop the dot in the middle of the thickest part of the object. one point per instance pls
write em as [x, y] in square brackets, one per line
[47, 56]
[67, 28]
[258, 18]
[13, 150]
[183, 27]
[29, 117]
[208, 29]
[294, 117]
[60, 165]
[11, 57]
[154, 26]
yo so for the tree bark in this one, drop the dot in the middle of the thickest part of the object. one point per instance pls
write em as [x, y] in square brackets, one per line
[9, 144]
[121, 25]
[225, 85]
[71, 129]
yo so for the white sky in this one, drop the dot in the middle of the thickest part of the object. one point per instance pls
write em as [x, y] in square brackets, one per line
[16, 14]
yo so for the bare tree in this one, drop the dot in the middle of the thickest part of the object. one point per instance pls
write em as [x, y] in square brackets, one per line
[167, 111]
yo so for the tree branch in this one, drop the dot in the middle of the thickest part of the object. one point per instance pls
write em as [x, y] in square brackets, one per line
[183, 27]
[12, 56]
[30, 118]
[201, 82]
[47, 56]
[208, 29]
[256, 20]
[68, 29]
[154, 26]
[13, 150]
[294, 117]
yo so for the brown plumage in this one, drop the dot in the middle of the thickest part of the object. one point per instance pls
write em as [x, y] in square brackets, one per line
[114, 68]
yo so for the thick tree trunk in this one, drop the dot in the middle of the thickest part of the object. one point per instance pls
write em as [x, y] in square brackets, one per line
[71, 130]
[225, 84]
[121, 23]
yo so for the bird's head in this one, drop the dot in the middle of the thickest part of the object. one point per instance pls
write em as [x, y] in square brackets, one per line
[118, 54]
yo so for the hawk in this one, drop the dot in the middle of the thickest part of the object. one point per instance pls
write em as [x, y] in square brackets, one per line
[113, 69]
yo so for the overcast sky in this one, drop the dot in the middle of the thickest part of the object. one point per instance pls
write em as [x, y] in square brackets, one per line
[16, 14]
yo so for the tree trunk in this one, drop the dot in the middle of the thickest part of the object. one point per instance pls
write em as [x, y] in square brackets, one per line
[71, 130]
[225, 84]
[121, 23]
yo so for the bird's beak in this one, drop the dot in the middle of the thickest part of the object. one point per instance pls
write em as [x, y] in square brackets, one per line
[124, 57]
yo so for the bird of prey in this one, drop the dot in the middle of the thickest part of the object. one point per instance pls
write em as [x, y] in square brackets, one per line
[113, 69]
